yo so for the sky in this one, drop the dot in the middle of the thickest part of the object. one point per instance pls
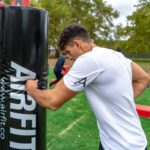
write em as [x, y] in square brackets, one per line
[125, 7]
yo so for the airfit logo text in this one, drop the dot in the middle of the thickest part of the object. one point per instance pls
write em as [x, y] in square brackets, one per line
[22, 110]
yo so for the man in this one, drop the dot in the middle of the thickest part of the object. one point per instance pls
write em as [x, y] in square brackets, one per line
[111, 83]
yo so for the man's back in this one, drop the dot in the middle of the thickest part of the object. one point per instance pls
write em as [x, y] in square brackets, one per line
[113, 102]
[106, 77]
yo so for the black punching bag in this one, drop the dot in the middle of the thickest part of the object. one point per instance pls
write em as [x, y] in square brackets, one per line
[23, 56]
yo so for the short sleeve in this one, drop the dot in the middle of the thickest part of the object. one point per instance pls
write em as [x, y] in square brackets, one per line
[83, 72]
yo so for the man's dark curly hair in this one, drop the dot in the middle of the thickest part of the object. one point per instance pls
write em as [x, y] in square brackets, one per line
[71, 32]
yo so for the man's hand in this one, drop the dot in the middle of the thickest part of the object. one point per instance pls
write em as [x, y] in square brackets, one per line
[31, 85]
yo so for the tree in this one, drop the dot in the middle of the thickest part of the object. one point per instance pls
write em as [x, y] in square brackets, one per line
[137, 30]
[7, 1]
[95, 15]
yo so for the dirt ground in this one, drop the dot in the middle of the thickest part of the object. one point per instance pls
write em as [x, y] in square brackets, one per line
[52, 62]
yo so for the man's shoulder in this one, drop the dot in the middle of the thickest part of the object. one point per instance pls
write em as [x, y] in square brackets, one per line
[97, 53]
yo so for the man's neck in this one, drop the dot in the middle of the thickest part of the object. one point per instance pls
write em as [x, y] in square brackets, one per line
[90, 46]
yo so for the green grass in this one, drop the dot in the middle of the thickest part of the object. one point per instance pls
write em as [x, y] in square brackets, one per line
[144, 99]
[73, 127]
[146, 126]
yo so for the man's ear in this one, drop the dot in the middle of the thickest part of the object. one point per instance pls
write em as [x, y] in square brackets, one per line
[77, 43]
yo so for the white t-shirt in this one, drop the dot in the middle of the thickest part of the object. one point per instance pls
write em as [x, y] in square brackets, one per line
[106, 77]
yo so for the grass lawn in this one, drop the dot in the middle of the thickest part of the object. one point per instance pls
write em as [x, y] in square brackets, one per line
[145, 100]
[73, 127]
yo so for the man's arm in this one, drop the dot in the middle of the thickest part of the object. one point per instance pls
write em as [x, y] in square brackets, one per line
[140, 79]
[50, 98]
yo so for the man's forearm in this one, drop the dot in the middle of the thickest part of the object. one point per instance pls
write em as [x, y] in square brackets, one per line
[50, 98]
[139, 87]
[140, 79]
[43, 98]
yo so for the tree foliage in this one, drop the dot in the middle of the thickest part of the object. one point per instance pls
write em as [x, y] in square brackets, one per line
[137, 29]
[7, 1]
[95, 15]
